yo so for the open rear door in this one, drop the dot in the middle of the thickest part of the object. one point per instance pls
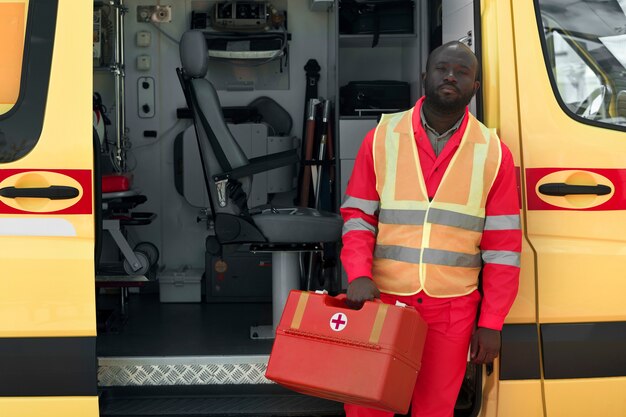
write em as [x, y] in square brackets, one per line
[571, 66]
[47, 294]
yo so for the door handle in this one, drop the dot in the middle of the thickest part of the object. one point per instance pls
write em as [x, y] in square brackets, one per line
[561, 189]
[54, 192]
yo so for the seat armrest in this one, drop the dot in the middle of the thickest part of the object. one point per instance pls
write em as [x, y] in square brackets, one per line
[260, 164]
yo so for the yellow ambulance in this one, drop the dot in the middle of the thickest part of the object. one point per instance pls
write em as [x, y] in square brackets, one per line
[553, 85]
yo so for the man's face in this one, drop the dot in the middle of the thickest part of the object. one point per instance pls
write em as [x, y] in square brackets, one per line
[450, 79]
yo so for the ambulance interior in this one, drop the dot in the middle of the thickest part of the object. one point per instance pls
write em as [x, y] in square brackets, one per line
[180, 313]
[186, 303]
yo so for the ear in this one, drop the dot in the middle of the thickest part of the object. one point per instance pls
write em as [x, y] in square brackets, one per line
[424, 74]
[476, 86]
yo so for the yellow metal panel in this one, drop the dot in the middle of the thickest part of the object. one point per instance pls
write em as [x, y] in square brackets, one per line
[499, 83]
[510, 398]
[67, 131]
[499, 89]
[521, 399]
[570, 291]
[53, 296]
[47, 286]
[49, 407]
[601, 397]
[580, 254]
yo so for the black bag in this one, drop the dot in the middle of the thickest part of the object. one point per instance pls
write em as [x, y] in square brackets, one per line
[376, 17]
[365, 98]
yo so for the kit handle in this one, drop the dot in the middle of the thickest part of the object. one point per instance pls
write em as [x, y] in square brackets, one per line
[339, 301]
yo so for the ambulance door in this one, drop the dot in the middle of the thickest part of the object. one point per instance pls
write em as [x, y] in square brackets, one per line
[47, 294]
[571, 69]
[514, 388]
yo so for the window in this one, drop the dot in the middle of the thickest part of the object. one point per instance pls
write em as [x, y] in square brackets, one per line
[25, 61]
[12, 28]
[584, 47]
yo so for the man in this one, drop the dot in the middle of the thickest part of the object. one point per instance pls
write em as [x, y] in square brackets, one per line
[431, 202]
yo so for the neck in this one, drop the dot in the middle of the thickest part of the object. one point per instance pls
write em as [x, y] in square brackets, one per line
[439, 119]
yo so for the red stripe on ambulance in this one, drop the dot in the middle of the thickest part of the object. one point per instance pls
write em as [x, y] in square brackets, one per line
[616, 176]
[82, 206]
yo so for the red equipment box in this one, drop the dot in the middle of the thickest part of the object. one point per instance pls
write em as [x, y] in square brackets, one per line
[115, 183]
[367, 357]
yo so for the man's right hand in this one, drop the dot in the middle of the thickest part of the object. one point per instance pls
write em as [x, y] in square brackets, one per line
[361, 290]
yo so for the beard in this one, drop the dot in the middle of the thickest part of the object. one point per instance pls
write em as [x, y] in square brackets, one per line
[442, 103]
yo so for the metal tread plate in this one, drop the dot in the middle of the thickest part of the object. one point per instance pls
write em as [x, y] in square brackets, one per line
[182, 370]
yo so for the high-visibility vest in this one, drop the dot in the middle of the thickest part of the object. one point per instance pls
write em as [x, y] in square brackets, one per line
[431, 246]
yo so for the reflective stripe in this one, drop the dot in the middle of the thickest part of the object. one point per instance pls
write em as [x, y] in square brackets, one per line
[511, 222]
[47, 367]
[366, 206]
[397, 253]
[454, 219]
[444, 257]
[412, 217]
[502, 257]
[36, 227]
[357, 224]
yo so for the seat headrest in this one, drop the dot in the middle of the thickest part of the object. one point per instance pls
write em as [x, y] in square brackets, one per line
[193, 54]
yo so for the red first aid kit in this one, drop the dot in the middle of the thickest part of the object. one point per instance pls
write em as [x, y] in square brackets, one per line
[368, 357]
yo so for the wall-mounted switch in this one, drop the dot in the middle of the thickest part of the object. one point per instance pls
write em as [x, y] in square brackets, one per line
[145, 97]
[143, 63]
[143, 38]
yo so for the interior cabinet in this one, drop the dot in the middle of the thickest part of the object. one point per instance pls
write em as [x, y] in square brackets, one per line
[396, 57]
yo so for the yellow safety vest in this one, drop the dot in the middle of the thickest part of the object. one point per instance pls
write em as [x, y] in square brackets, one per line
[431, 246]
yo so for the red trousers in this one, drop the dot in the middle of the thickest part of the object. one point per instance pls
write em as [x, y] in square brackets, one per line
[450, 326]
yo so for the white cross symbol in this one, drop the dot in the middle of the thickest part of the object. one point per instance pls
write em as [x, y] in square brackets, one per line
[338, 322]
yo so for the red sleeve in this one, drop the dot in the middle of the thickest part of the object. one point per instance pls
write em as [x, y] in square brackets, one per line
[360, 214]
[501, 246]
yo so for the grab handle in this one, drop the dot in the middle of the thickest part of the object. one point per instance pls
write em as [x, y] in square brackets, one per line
[54, 192]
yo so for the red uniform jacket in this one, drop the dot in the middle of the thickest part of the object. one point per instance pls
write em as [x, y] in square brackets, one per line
[499, 282]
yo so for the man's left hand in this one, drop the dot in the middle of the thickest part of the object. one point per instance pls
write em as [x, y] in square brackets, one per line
[485, 345]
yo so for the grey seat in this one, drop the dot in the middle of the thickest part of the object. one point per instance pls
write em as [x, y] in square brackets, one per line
[285, 231]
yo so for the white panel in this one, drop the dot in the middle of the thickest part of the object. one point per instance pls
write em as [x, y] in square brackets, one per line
[457, 22]
[450, 6]
[346, 171]
[36, 227]
[352, 132]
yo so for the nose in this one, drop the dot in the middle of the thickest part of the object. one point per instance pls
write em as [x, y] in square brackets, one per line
[450, 77]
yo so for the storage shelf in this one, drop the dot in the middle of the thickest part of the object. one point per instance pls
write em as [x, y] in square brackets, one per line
[352, 117]
[365, 41]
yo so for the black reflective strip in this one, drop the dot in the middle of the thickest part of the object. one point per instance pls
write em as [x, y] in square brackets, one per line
[584, 350]
[519, 357]
[50, 366]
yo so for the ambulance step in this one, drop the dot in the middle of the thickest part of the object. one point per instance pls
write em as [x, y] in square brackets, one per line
[182, 371]
[267, 404]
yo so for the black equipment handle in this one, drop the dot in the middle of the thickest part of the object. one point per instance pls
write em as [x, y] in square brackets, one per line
[561, 189]
[54, 192]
